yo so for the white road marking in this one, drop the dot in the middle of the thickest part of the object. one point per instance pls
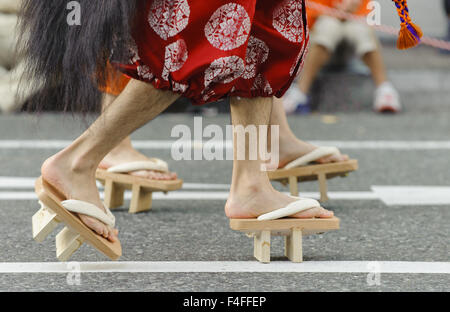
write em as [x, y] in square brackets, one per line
[18, 196]
[387, 145]
[168, 144]
[16, 183]
[205, 186]
[399, 267]
[413, 195]
[389, 195]
[181, 195]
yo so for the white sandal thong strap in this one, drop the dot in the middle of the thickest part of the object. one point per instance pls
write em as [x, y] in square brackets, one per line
[154, 164]
[90, 210]
[300, 205]
[316, 154]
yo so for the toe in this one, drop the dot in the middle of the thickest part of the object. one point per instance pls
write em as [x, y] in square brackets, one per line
[340, 157]
[326, 160]
[159, 176]
[112, 238]
[100, 228]
[326, 213]
[95, 225]
[105, 231]
[139, 173]
[113, 234]
[333, 158]
[171, 176]
[317, 212]
[97, 229]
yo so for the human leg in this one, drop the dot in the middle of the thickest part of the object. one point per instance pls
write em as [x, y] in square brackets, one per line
[72, 170]
[126, 153]
[251, 193]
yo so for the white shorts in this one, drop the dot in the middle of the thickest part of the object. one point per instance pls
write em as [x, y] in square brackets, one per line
[329, 32]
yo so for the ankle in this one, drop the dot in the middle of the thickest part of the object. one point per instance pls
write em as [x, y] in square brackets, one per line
[240, 196]
[83, 164]
[124, 148]
[287, 140]
[62, 164]
[290, 144]
[246, 183]
[74, 162]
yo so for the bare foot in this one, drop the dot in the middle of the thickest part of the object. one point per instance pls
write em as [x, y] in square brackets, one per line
[79, 184]
[124, 154]
[252, 201]
[293, 148]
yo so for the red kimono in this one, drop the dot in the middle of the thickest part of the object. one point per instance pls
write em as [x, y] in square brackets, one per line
[210, 49]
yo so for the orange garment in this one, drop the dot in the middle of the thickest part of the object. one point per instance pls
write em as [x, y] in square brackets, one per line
[409, 34]
[116, 82]
[314, 14]
[115, 87]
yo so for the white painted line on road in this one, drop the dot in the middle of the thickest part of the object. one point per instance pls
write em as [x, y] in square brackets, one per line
[33, 144]
[205, 186]
[28, 183]
[17, 183]
[412, 195]
[180, 195]
[169, 144]
[18, 196]
[387, 145]
[390, 195]
[402, 267]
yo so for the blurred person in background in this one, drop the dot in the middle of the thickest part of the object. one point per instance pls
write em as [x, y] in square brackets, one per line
[326, 33]
[447, 11]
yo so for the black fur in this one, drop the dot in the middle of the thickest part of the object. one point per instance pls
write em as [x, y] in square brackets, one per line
[72, 59]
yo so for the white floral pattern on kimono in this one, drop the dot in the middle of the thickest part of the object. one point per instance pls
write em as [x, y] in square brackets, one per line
[224, 70]
[169, 17]
[257, 54]
[288, 20]
[176, 56]
[229, 27]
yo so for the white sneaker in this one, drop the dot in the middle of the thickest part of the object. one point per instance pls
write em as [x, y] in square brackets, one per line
[387, 99]
[293, 98]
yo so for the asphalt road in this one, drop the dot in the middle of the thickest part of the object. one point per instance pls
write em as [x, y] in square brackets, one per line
[197, 229]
